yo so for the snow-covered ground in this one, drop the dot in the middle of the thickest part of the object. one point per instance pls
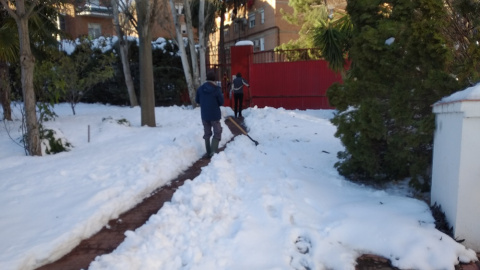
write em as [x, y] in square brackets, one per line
[278, 205]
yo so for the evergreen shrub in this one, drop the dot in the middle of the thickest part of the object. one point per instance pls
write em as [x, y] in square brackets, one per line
[385, 119]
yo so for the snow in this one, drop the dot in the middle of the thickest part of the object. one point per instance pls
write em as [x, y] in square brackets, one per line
[278, 205]
[244, 43]
[470, 93]
[389, 41]
[106, 43]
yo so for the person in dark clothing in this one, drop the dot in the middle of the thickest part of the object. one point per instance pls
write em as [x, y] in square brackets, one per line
[210, 98]
[225, 83]
[237, 88]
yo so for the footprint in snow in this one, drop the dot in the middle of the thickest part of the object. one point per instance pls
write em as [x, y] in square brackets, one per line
[301, 260]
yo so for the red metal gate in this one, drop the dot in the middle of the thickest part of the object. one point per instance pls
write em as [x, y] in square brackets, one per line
[282, 83]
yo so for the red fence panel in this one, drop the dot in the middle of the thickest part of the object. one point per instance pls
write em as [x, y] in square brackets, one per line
[292, 85]
[276, 80]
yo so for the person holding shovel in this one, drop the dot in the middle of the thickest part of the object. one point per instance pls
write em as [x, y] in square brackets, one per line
[210, 98]
[237, 88]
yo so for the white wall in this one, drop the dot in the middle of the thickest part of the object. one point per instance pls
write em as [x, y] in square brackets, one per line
[456, 167]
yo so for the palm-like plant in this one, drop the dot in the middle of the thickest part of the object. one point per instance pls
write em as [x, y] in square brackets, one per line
[43, 33]
[8, 53]
[333, 38]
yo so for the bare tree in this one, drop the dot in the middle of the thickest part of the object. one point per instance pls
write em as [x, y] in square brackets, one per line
[123, 45]
[202, 41]
[146, 10]
[191, 44]
[21, 11]
[462, 31]
[205, 15]
[221, 46]
[183, 54]
[194, 73]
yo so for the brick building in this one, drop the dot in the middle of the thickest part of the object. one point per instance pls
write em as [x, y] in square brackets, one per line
[261, 22]
[94, 18]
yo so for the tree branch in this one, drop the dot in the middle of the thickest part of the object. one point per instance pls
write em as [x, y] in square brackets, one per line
[9, 9]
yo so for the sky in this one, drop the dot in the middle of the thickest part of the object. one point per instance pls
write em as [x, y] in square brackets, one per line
[278, 205]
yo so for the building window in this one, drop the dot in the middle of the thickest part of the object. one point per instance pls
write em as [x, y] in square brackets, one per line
[251, 21]
[235, 27]
[262, 44]
[95, 2]
[94, 30]
[61, 23]
[262, 16]
[256, 45]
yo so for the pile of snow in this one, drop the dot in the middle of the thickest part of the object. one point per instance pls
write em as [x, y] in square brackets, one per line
[244, 43]
[389, 41]
[471, 93]
[106, 43]
[278, 205]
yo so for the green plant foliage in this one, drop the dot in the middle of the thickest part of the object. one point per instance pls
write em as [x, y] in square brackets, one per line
[210, 9]
[69, 77]
[464, 33]
[122, 121]
[56, 72]
[333, 39]
[46, 112]
[296, 55]
[385, 120]
[48, 87]
[53, 145]
[9, 45]
[169, 79]
[309, 15]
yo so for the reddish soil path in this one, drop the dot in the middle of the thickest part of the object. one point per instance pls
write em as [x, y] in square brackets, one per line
[108, 239]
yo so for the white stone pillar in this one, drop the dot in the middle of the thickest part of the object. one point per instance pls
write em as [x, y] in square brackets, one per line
[456, 163]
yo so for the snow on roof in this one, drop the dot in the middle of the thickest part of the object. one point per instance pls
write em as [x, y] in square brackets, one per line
[244, 43]
[471, 93]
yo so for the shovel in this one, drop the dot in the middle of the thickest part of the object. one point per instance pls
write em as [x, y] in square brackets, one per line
[242, 130]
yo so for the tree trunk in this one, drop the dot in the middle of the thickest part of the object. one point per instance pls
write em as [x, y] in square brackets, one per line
[123, 48]
[27, 63]
[27, 66]
[183, 56]
[5, 91]
[191, 44]
[221, 45]
[147, 96]
[127, 73]
[201, 41]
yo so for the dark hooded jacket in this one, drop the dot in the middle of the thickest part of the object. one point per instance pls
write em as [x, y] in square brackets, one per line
[210, 98]
[238, 84]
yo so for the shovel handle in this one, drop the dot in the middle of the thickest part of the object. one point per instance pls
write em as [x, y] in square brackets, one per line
[242, 130]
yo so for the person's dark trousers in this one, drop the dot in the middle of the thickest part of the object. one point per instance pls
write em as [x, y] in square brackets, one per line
[212, 147]
[238, 98]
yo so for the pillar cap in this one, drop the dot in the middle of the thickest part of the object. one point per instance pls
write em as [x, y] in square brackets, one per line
[469, 94]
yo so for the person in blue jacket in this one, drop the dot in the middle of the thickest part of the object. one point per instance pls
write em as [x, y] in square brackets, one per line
[210, 98]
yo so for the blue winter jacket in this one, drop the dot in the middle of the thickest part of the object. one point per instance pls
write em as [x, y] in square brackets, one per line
[210, 98]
